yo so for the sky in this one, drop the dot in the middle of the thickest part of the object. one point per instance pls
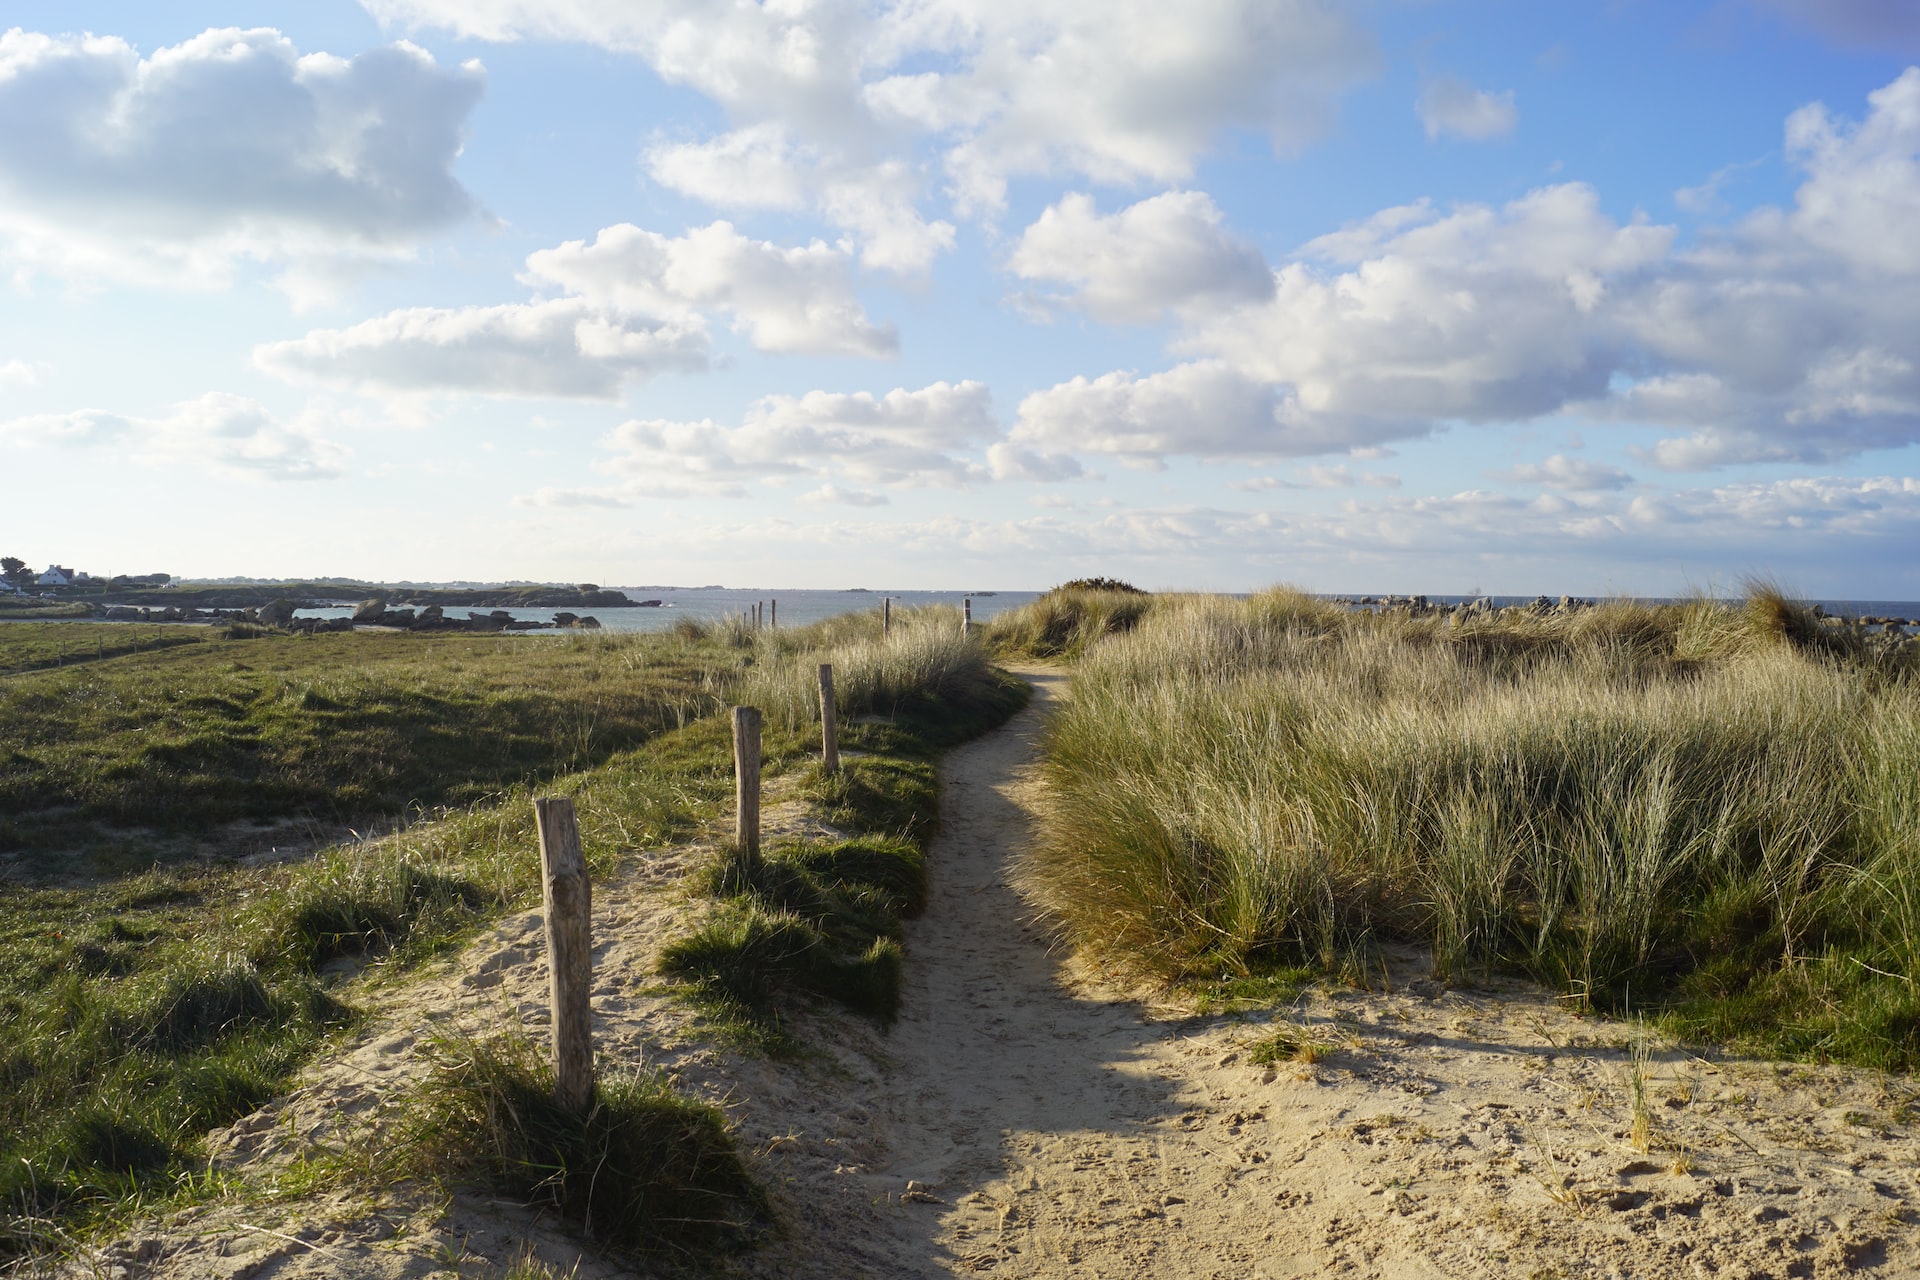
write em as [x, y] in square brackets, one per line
[1437, 296]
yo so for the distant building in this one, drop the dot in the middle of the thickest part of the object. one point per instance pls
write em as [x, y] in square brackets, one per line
[56, 576]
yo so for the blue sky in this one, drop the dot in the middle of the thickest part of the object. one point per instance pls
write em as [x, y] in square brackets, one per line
[1410, 295]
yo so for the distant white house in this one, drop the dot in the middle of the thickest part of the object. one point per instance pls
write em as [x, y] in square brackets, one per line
[57, 576]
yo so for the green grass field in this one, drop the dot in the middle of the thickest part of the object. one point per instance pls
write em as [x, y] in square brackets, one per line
[105, 761]
[1711, 812]
[140, 1009]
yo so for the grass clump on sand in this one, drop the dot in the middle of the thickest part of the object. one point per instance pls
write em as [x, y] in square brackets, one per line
[645, 1168]
[822, 918]
[1703, 808]
[1068, 620]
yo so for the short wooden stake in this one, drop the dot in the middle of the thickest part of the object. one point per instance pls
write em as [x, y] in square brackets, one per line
[569, 906]
[886, 617]
[829, 723]
[746, 785]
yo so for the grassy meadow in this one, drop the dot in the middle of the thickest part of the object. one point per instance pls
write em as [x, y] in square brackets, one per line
[1708, 811]
[178, 731]
[151, 990]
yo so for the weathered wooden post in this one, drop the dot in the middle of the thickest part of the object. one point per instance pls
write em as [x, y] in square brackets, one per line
[773, 615]
[746, 786]
[886, 617]
[829, 723]
[966, 617]
[569, 906]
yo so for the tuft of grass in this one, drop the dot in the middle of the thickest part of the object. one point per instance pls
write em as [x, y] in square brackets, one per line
[1070, 619]
[1708, 807]
[1290, 1042]
[645, 1168]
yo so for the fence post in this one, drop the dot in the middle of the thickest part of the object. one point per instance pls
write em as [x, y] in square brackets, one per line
[886, 617]
[773, 615]
[966, 617]
[746, 786]
[829, 723]
[569, 905]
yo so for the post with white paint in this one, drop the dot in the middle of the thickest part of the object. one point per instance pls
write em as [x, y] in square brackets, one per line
[569, 907]
[746, 787]
[829, 723]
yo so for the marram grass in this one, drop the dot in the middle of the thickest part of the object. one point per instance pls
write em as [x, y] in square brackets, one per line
[1707, 809]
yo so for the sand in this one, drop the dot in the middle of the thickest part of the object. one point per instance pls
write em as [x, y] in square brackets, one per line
[1025, 1118]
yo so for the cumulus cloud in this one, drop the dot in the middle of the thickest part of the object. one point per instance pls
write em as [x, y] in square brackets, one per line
[1790, 336]
[1562, 472]
[562, 348]
[904, 438]
[797, 300]
[1167, 252]
[170, 168]
[762, 167]
[829, 104]
[635, 308]
[1450, 107]
[224, 434]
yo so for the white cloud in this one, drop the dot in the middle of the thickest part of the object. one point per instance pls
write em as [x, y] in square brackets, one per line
[1320, 477]
[550, 496]
[761, 167]
[1450, 107]
[1792, 336]
[829, 103]
[834, 495]
[19, 373]
[797, 300]
[1862, 195]
[232, 145]
[1170, 251]
[904, 438]
[1010, 462]
[564, 348]
[635, 308]
[225, 434]
[1562, 472]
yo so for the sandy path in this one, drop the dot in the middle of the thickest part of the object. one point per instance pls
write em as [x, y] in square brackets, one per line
[1021, 1121]
[1039, 1126]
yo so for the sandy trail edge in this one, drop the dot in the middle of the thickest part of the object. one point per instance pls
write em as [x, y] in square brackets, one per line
[1020, 1120]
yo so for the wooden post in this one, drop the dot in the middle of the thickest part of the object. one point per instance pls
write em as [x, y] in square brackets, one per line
[746, 785]
[886, 617]
[569, 905]
[966, 617]
[829, 723]
[773, 615]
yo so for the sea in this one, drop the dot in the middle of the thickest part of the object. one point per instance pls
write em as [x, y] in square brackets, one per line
[716, 604]
[791, 607]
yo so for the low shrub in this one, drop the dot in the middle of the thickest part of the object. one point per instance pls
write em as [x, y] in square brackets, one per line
[1695, 806]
